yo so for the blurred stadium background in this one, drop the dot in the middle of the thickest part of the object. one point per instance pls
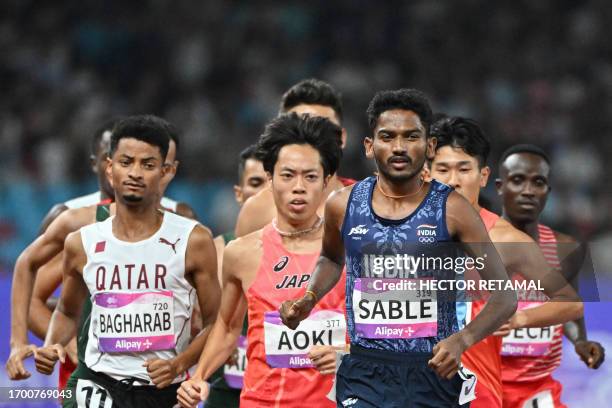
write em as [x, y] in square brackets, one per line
[538, 72]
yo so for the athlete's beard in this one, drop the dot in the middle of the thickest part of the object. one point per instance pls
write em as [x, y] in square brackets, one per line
[399, 178]
[132, 199]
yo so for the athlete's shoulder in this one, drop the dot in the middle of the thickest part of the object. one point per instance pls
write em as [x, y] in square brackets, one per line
[185, 210]
[505, 232]
[74, 243]
[84, 201]
[242, 251]
[563, 238]
[249, 241]
[73, 219]
[53, 213]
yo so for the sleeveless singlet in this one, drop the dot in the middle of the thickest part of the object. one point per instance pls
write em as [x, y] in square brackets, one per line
[272, 347]
[141, 302]
[534, 353]
[483, 358]
[372, 245]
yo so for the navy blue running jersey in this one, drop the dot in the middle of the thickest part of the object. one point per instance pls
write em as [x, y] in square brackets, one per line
[387, 262]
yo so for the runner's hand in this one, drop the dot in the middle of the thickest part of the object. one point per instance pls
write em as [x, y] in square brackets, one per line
[14, 365]
[293, 312]
[591, 353]
[323, 358]
[503, 331]
[162, 372]
[233, 358]
[517, 321]
[46, 357]
[191, 392]
[447, 356]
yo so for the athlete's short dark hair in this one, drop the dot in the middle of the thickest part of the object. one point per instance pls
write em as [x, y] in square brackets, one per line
[248, 153]
[463, 133]
[406, 99]
[312, 92]
[524, 148]
[288, 129]
[175, 134]
[147, 128]
[107, 126]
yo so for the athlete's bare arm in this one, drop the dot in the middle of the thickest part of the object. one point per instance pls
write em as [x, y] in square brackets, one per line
[184, 210]
[53, 213]
[64, 320]
[257, 212]
[240, 263]
[465, 224]
[521, 255]
[38, 253]
[201, 271]
[329, 266]
[572, 255]
[48, 279]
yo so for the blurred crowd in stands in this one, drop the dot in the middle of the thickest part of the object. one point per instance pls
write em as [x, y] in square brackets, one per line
[528, 71]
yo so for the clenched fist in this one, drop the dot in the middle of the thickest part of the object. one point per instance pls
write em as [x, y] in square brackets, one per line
[292, 312]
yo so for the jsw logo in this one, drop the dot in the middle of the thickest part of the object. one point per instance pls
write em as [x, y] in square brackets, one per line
[359, 230]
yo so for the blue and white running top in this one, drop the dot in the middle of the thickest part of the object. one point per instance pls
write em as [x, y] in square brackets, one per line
[387, 263]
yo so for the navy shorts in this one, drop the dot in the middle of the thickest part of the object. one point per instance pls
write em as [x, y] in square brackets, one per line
[385, 379]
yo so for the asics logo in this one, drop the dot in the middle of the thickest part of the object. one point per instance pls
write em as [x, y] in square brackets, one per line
[280, 265]
[359, 230]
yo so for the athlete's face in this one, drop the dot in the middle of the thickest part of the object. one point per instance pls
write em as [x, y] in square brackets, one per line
[171, 165]
[453, 166]
[320, 111]
[137, 169]
[98, 164]
[399, 145]
[253, 180]
[298, 183]
[523, 186]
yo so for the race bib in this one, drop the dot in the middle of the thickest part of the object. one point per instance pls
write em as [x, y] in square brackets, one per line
[134, 322]
[91, 395]
[534, 341]
[286, 348]
[394, 309]
[234, 374]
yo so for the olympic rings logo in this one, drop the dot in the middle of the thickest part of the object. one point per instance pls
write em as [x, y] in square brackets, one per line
[427, 240]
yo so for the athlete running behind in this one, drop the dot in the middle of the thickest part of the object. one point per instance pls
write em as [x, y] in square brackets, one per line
[311, 97]
[524, 185]
[462, 150]
[141, 269]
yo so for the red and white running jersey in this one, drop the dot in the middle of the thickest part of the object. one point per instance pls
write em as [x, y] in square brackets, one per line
[517, 364]
[483, 358]
[273, 348]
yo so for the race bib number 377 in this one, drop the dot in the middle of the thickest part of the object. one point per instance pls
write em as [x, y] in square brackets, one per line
[134, 322]
[286, 348]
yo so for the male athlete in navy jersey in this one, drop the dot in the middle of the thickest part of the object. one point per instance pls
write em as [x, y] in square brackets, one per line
[407, 352]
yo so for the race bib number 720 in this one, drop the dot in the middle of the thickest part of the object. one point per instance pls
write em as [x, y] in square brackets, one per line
[134, 322]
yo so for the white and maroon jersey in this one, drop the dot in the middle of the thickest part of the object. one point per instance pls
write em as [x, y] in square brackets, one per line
[141, 302]
[95, 198]
[533, 353]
